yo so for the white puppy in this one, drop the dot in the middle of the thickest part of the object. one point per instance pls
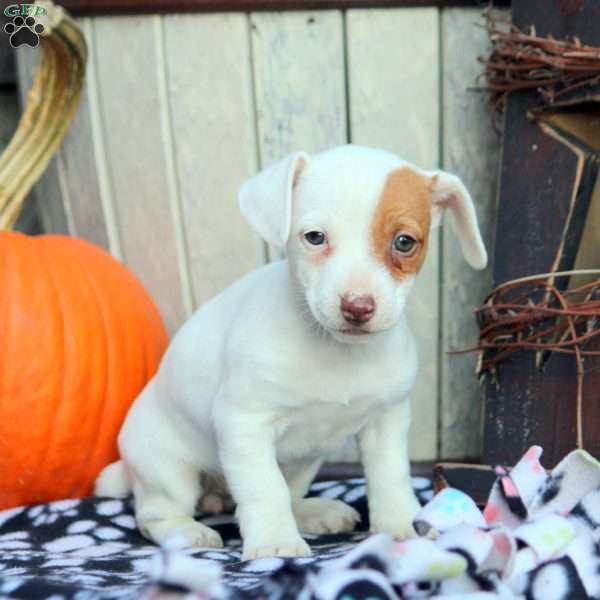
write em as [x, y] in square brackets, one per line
[295, 357]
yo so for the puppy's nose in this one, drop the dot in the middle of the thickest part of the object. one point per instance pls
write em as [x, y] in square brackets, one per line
[357, 309]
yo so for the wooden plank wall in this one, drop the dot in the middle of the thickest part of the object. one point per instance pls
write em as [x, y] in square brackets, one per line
[471, 149]
[298, 66]
[394, 104]
[180, 109]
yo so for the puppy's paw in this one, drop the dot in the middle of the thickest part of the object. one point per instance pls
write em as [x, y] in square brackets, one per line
[397, 518]
[292, 547]
[190, 532]
[314, 515]
[203, 537]
[399, 530]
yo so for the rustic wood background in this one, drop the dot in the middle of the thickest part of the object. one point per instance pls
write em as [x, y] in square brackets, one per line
[102, 7]
[179, 109]
[537, 188]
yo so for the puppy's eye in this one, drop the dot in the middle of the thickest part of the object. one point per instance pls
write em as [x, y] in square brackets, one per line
[315, 238]
[405, 244]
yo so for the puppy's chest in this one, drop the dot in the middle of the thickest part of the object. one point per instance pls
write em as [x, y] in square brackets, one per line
[325, 399]
[318, 427]
[332, 382]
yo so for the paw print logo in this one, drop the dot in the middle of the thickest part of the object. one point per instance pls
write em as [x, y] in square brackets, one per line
[24, 32]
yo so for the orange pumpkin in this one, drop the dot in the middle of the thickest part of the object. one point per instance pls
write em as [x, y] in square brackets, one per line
[79, 339]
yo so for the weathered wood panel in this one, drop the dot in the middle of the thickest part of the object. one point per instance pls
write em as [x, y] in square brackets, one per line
[130, 113]
[98, 144]
[300, 105]
[98, 7]
[209, 83]
[67, 193]
[537, 180]
[471, 150]
[393, 64]
[78, 170]
[179, 110]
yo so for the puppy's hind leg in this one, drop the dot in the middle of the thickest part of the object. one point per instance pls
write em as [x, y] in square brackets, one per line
[316, 515]
[165, 502]
[113, 481]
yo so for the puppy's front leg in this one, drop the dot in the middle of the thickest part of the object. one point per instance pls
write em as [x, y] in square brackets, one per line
[384, 449]
[264, 507]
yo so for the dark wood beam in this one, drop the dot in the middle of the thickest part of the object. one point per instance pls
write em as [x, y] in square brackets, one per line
[348, 470]
[475, 480]
[116, 7]
[537, 180]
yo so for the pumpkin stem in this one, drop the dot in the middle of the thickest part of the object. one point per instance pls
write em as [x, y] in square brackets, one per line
[49, 109]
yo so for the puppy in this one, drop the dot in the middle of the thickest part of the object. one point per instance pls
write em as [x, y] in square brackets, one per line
[295, 357]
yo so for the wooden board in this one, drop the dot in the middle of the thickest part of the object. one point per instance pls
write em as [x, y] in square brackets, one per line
[151, 6]
[129, 104]
[68, 194]
[536, 186]
[207, 59]
[78, 169]
[471, 148]
[212, 98]
[475, 480]
[299, 104]
[393, 68]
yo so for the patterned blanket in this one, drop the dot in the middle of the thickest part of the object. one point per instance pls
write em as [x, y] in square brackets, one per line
[91, 549]
[537, 539]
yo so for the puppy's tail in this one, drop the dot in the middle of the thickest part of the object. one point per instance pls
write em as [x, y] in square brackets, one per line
[113, 481]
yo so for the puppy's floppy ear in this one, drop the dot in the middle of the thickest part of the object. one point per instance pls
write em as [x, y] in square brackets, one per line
[266, 198]
[448, 191]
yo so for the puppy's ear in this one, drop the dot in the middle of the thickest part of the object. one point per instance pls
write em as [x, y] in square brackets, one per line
[448, 191]
[266, 198]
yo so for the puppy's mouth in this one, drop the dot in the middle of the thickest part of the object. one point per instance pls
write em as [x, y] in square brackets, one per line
[352, 335]
[357, 331]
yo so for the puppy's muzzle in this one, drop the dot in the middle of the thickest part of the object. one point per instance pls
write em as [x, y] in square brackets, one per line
[357, 310]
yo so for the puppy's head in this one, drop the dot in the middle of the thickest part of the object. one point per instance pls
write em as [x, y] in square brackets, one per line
[356, 224]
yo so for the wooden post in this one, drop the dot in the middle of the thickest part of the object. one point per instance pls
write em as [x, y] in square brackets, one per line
[540, 185]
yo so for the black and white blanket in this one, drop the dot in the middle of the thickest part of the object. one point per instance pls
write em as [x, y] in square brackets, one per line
[537, 539]
[90, 549]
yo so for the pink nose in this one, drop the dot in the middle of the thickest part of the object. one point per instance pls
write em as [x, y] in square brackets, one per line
[357, 309]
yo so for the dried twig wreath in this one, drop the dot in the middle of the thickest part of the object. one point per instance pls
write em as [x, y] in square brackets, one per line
[535, 313]
[522, 60]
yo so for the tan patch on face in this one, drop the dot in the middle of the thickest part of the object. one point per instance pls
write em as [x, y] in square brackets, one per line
[404, 208]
